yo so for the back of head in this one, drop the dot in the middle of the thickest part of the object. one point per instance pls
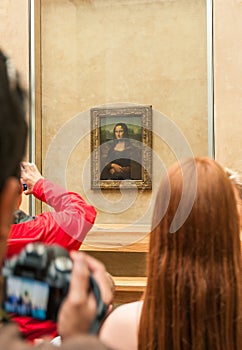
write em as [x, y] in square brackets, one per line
[13, 127]
[192, 296]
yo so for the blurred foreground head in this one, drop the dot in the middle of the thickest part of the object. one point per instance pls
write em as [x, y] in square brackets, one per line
[13, 132]
[13, 127]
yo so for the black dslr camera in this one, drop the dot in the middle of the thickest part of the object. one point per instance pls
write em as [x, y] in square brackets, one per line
[37, 280]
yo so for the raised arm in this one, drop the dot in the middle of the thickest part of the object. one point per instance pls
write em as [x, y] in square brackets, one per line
[67, 226]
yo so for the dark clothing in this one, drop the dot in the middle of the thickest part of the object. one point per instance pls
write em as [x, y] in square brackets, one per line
[129, 159]
[20, 216]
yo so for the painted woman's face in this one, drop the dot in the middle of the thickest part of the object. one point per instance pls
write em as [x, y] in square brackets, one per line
[119, 132]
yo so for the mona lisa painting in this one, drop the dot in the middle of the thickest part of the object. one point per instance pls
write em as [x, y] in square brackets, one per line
[121, 146]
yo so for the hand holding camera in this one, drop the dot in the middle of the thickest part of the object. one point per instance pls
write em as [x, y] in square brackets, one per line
[41, 277]
[80, 304]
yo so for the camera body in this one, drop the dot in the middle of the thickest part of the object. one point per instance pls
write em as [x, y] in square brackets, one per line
[37, 281]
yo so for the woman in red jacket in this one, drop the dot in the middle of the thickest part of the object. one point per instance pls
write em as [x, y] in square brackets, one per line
[66, 226]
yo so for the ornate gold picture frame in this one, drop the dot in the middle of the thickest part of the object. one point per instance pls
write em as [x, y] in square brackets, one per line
[121, 148]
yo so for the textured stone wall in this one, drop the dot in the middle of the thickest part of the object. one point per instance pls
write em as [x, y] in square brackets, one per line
[144, 52]
[107, 52]
[228, 82]
[14, 41]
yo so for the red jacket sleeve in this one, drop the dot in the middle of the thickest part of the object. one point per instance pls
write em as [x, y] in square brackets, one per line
[66, 226]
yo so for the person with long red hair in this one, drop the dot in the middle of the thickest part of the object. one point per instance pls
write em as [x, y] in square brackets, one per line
[193, 295]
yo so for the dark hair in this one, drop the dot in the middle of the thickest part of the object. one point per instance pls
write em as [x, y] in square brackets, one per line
[125, 128]
[13, 126]
[193, 295]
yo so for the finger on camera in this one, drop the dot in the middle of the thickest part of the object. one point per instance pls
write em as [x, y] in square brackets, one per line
[79, 284]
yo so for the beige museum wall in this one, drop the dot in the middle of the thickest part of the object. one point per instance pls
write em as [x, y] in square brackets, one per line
[106, 52]
[14, 34]
[228, 82]
[227, 79]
